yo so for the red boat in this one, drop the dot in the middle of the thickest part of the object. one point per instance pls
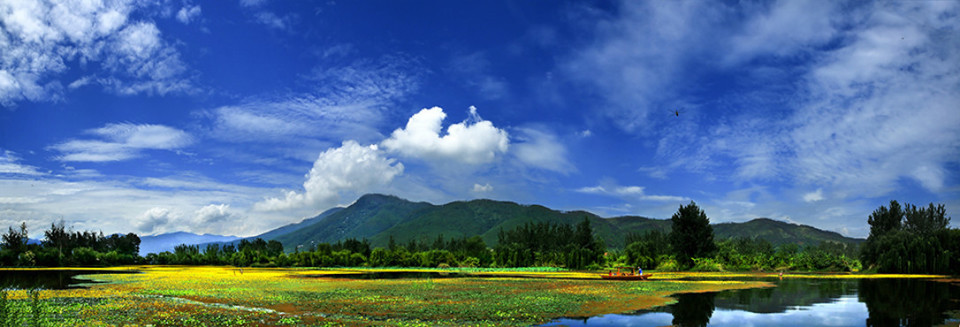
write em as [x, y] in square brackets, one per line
[632, 275]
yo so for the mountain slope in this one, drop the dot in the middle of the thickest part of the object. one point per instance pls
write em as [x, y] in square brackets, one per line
[286, 229]
[166, 242]
[370, 215]
[378, 217]
[641, 224]
[484, 218]
[779, 232]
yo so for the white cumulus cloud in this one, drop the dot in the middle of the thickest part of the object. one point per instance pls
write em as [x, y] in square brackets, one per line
[349, 169]
[473, 141]
[214, 213]
[154, 219]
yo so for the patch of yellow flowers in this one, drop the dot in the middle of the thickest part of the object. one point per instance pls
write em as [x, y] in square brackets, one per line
[178, 295]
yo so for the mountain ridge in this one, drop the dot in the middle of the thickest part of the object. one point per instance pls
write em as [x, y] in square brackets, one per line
[376, 217]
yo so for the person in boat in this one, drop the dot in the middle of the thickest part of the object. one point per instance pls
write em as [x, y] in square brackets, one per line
[639, 271]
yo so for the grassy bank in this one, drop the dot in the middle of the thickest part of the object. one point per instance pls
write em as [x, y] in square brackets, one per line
[226, 296]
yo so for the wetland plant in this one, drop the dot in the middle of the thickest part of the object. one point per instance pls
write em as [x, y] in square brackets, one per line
[27, 312]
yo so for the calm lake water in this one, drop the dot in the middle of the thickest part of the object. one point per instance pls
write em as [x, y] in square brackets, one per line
[46, 279]
[803, 302]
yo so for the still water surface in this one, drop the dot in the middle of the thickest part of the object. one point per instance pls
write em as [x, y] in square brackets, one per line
[803, 302]
[48, 279]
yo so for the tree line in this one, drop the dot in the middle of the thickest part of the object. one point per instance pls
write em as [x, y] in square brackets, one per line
[528, 245]
[902, 239]
[908, 239]
[691, 245]
[452, 252]
[654, 250]
[550, 244]
[61, 247]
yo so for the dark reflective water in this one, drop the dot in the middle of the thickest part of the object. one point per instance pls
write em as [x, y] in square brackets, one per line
[804, 302]
[48, 279]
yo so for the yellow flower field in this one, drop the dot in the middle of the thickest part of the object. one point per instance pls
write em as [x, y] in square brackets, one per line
[229, 296]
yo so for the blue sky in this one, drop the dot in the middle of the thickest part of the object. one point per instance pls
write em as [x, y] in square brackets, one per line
[237, 117]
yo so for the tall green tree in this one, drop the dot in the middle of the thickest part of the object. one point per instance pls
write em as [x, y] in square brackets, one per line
[692, 235]
[925, 221]
[883, 220]
[57, 238]
[16, 240]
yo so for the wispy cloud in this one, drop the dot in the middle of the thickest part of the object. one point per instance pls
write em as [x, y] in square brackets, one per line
[485, 188]
[878, 108]
[475, 71]
[188, 13]
[884, 105]
[271, 20]
[783, 30]
[10, 164]
[630, 193]
[298, 116]
[349, 103]
[813, 196]
[122, 141]
[126, 204]
[540, 148]
[866, 93]
[637, 63]
[261, 15]
[42, 40]
[252, 3]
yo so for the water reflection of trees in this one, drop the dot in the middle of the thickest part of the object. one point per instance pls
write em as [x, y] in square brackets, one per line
[19, 279]
[890, 302]
[693, 309]
[907, 302]
[788, 293]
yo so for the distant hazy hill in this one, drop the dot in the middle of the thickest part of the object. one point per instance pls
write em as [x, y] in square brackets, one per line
[376, 217]
[166, 242]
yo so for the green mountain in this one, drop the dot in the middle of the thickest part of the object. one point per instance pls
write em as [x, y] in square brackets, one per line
[296, 226]
[369, 216]
[779, 232]
[376, 217]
